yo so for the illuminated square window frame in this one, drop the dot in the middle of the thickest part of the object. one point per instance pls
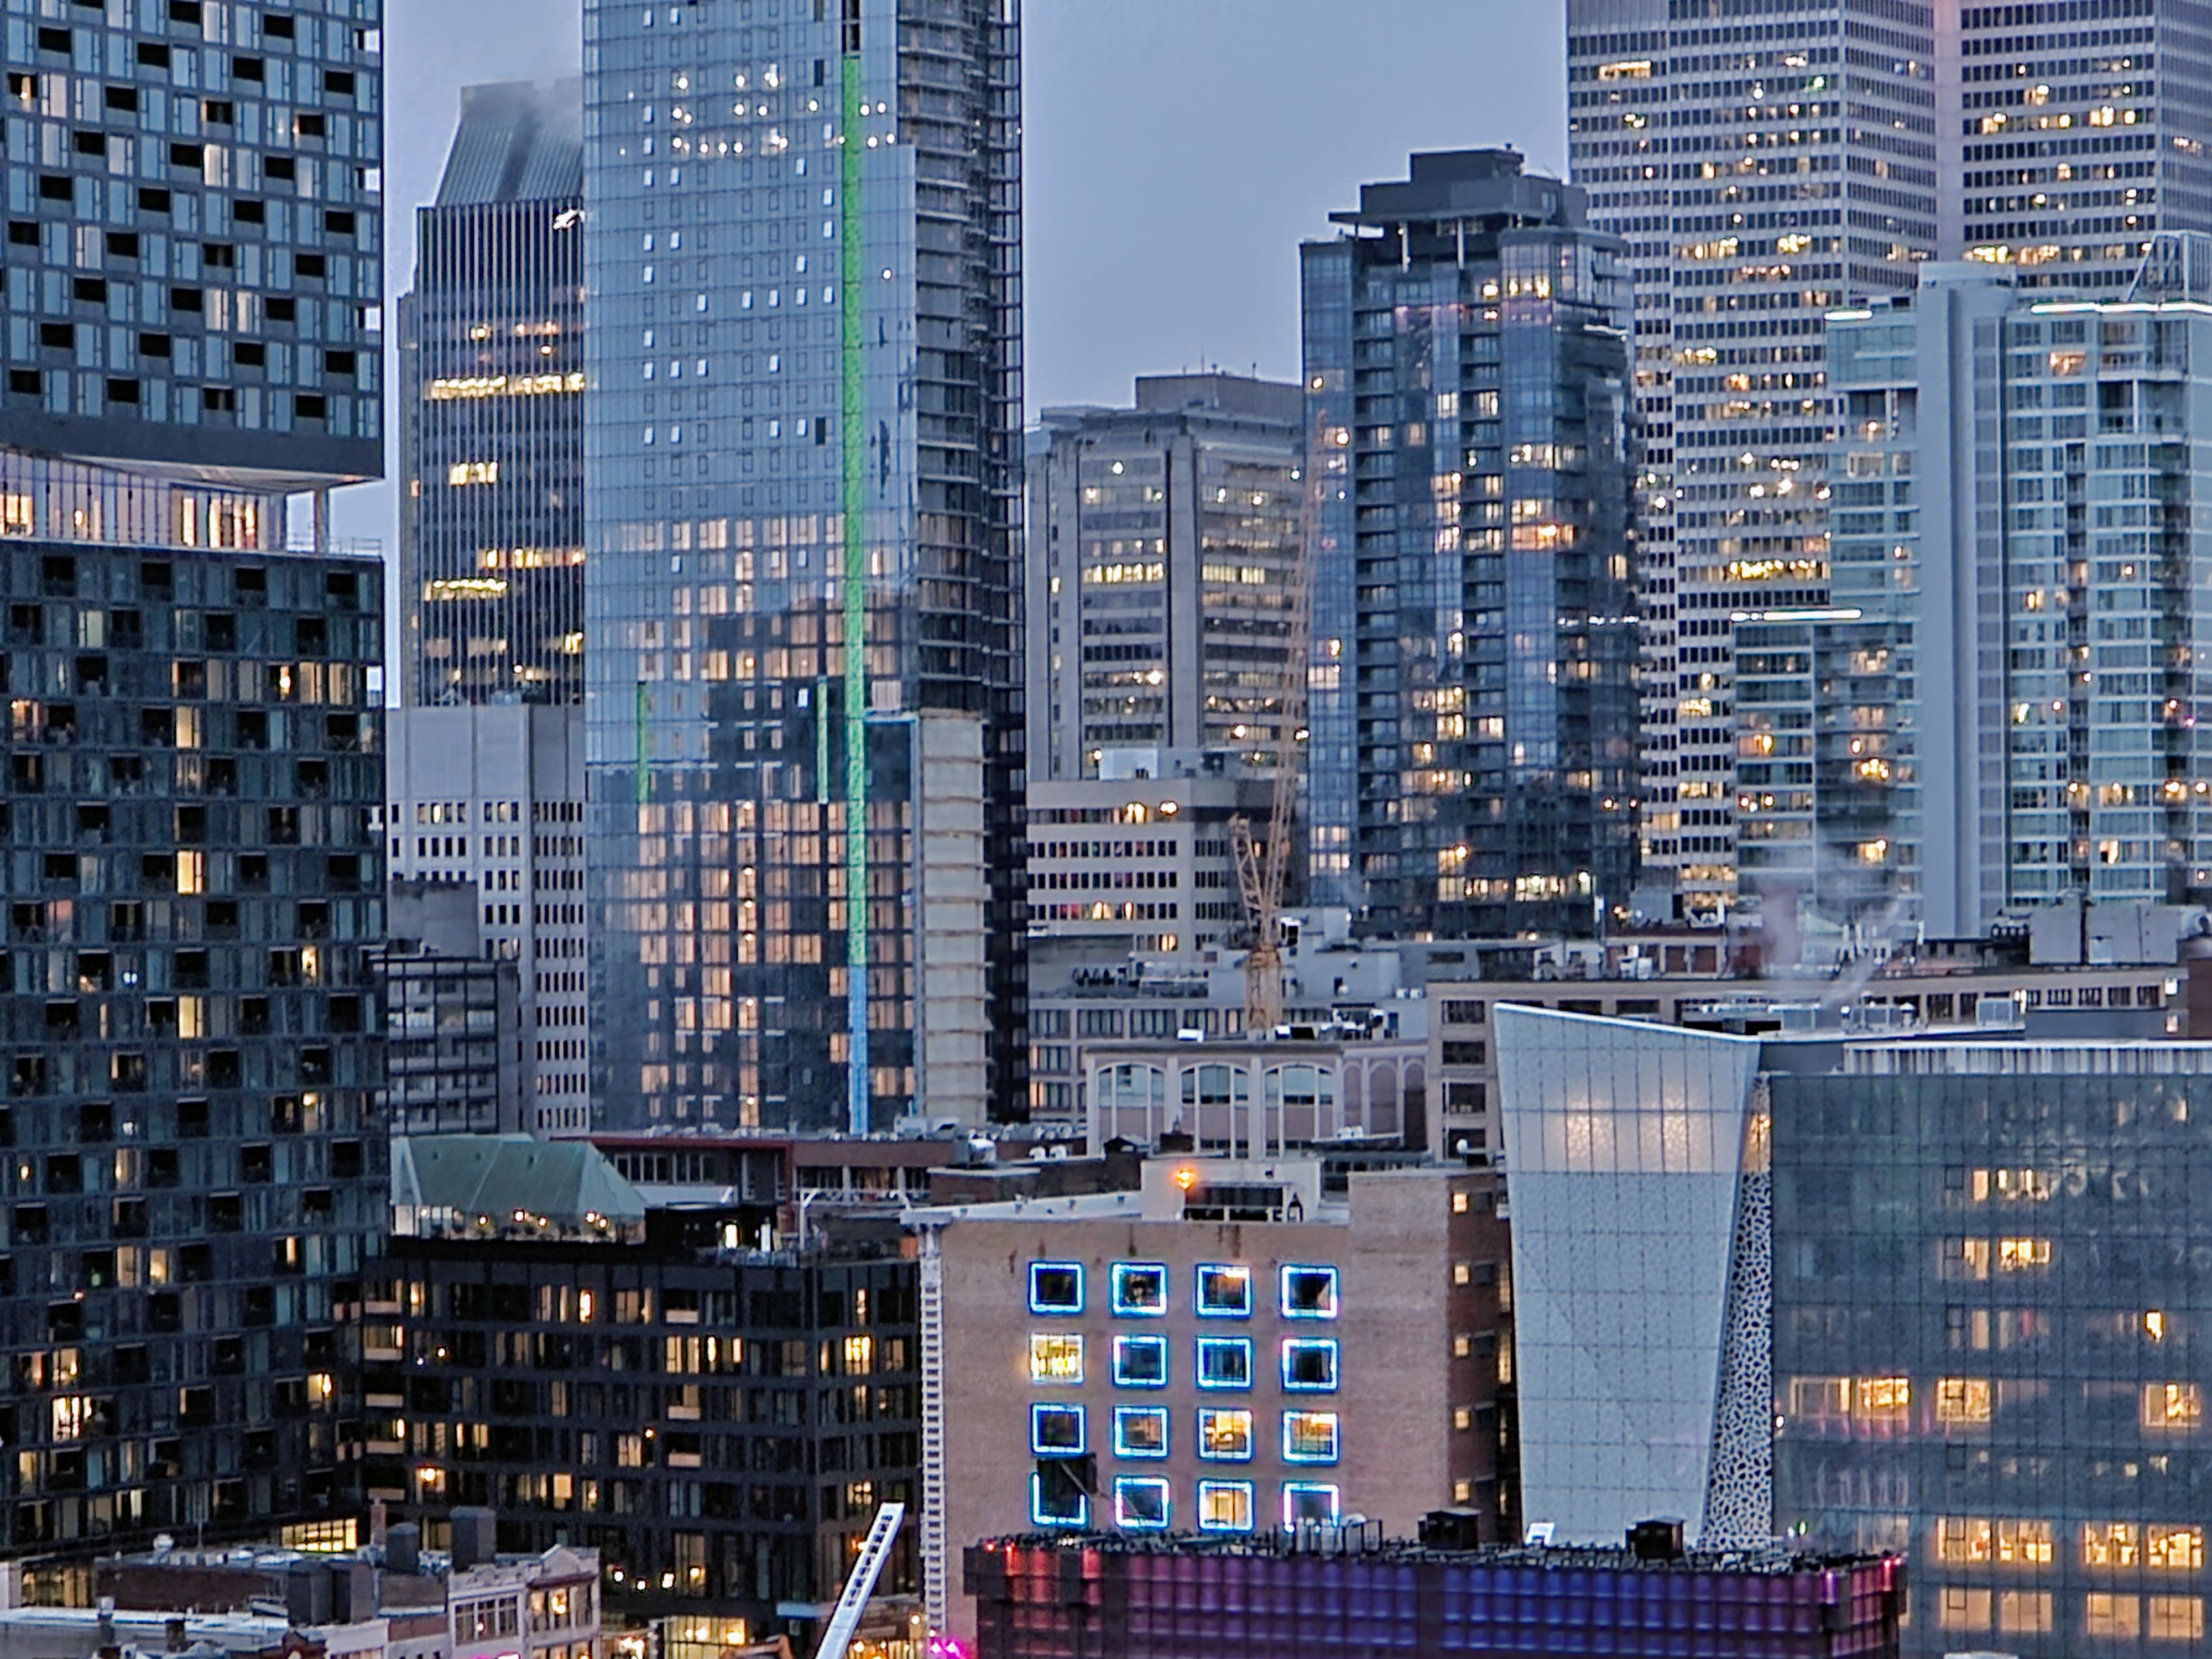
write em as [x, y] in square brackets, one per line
[1139, 1290]
[1235, 1417]
[1243, 1501]
[1209, 1348]
[1042, 1304]
[1295, 1272]
[1046, 1372]
[1294, 1346]
[1293, 1421]
[1155, 1418]
[1128, 1375]
[1043, 1411]
[1077, 1519]
[1323, 1496]
[1214, 1275]
[1143, 1503]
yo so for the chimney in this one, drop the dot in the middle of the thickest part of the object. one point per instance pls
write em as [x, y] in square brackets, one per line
[376, 1520]
[403, 1547]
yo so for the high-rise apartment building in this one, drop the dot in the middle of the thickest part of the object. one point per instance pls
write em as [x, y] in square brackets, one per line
[491, 409]
[1764, 162]
[2012, 522]
[1472, 767]
[803, 463]
[492, 798]
[1165, 542]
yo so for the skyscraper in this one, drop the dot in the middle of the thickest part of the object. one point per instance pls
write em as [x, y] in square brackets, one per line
[1764, 163]
[491, 409]
[803, 469]
[1472, 767]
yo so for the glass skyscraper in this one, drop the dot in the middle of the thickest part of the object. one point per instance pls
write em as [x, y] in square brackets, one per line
[804, 476]
[491, 409]
[1473, 760]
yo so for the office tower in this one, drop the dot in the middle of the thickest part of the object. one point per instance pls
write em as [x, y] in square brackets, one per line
[2069, 138]
[805, 438]
[1764, 167]
[190, 1033]
[1327, 1591]
[492, 798]
[2013, 487]
[1471, 769]
[1164, 541]
[1234, 1348]
[491, 409]
[719, 1423]
[1899, 1311]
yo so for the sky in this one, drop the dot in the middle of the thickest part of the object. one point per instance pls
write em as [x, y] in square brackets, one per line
[1177, 152]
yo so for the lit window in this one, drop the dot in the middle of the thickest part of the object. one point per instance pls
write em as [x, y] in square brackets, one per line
[1140, 1503]
[1140, 1362]
[2105, 1614]
[2175, 1548]
[1223, 1291]
[2023, 1613]
[1225, 1436]
[1885, 1398]
[1960, 1608]
[2110, 1545]
[1308, 1292]
[1309, 1366]
[1057, 1431]
[1055, 1358]
[2177, 1618]
[1962, 1399]
[1309, 1437]
[1055, 1287]
[2172, 1405]
[1056, 1499]
[1225, 1362]
[1308, 1501]
[1224, 1505]
[1140, 1432]
[2024, 1543]
[1140, 1290]
[2016, 1256]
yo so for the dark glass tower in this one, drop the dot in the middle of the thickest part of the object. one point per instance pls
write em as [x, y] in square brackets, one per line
[1473, 712]
[804, 468]
[491, 423]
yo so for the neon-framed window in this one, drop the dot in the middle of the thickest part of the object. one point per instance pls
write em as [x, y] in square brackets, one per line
[1225, 1362]
[1140, 1362]
[1140, 1432]
[1141, 1502]
[1055, 1287]
[1308, 1292]
[1224, 1434]
[1310, 1365]
[1055, 1358]
[1056, 1499]
[1307, 1501]
[1309, 1437]
[1224, 1506]
[1058, 1430]
[1140, 1290]
[1224, 1290]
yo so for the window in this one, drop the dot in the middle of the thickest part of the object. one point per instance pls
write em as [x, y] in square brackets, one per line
[2113, 1545]
[2172, 1405]
[2177, 1618]
[1308, 1501]
[1140, 1362]
[1308, 1292]
[2023, 1613]
[1309, 1366]
[1056, 1499]
[1223, 1291]
[1225, 1362]
[1960, 1608]
[1055, 1287]
[1962, 1399]
[1140, 1290]
[1225, 1436]
[1140, 1503]
[1224, 1506]
[1057, 1431]
[1309, 1437]
[1885, 1399]
[1140, 1432]
[1964, 1539]
[2024, 1543]
[2178, 1549]
[2112, 1615]
[1055, 1358]
[2016, 1256]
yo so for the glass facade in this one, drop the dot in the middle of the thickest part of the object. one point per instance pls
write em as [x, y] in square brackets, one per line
[195, 239]
[190, 1031]
[1473, 703]
[803, 701]
[491, 411]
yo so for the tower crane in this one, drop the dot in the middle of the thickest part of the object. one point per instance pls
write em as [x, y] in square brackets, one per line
[861, 1583]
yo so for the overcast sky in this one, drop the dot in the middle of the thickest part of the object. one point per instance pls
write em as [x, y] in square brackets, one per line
[1177, 152]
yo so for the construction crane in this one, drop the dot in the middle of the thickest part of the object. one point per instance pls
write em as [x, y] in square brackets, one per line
[1263, 871]
[860, 1582]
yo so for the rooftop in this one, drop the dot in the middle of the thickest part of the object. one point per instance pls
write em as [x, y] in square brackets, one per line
[487, 1180]
[519, 141]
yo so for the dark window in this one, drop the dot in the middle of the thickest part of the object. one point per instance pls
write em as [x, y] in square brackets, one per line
[123, 98]
[55, 187]
[22, 232]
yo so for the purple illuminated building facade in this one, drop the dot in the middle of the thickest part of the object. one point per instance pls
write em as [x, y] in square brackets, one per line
[1335, 1591]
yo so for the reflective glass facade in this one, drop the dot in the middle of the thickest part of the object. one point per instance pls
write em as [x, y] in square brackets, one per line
[804, 255]
[195, 240]
[491, 409]
[190, 1032]
[1473, 770]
